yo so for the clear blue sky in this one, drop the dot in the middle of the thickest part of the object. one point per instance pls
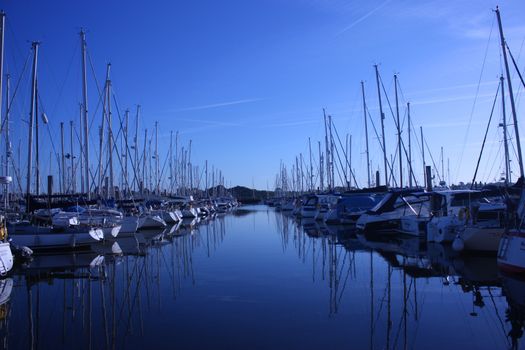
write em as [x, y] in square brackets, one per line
[246, 81]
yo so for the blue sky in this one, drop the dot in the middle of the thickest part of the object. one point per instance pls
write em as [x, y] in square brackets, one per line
[246, 81]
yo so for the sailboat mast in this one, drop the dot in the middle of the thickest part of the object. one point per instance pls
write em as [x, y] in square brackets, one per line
[350, 163]
[171, 162]
[327, 148]
[423, 154]
[37, 143]
[125, 186]
[85, 116]
[81, 145]
[311, 166]
[382, 123]
[136, 150]
[72, 158]
[442, 165]
[321, 177]
[331, 138]
[504, 125]
[7, 140]
[190, 179]
[347, 159]
[177, 169]
[34, 45]
[143, 184]
[150, 171]
[2, 30]
[62, 159]
[366, 134]
[157, 180]
[409, 147]
[399, 145]
[511, 93]
[111, 192]
[101, 150]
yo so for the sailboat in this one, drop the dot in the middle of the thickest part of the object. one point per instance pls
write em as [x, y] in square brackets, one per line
[488, 238]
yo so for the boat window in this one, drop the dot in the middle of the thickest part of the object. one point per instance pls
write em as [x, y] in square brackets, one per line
[385, 199]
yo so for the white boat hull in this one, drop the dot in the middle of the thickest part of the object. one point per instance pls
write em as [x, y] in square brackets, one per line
[443, 229]
[484, 239]
[189, 213]
[6, 258]
[511, 253]
[129, 225]
[151, 222]
[57, 240]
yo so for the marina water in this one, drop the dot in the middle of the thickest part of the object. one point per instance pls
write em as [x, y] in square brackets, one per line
[258, 279]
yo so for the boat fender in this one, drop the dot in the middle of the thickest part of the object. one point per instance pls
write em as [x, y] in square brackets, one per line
[457, 244]
[25, 252]
[464, 214]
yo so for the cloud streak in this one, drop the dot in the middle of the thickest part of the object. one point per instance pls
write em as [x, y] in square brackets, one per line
[220, 104]
[362, 18]
[208, 122]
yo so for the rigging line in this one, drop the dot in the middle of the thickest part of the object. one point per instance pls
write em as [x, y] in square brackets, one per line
[42, 108]
[475, 99]
[61, 90]
[391, 176]
[487, 171]
[518, 93]
[494, 163]
[17, 174]
[433, 162]
[114, 140]
[410, 167]
[382, 301]
[380, 143]
[497, 313]
[159, 182]
[93, 176]
[337, 168]
[127, 145]
[346, 158]
[399, 130]
[515, 65]
[417, 141]
[10, 103]
[388, 101]
[16, 43]
[100, 92]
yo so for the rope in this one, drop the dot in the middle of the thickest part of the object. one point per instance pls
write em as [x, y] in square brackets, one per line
[10, 103]
[515, 65]
[475, 99]
[485, 137]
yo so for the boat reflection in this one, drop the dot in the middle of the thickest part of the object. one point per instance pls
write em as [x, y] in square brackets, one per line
[400, 270]
[98, 298]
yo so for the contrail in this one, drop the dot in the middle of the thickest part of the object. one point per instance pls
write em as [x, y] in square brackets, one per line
[362, 18]
[221, 104]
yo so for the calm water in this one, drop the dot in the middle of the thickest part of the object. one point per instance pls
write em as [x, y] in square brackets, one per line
[261, 280]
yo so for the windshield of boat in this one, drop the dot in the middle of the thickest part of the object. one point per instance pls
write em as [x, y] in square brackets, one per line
[363, 202]
[465, 199]
[381, 203]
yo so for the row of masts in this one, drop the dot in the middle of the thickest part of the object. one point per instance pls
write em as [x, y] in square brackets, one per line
[141, 167]
[303, 178]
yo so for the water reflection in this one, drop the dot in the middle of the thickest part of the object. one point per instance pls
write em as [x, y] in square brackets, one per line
[261, 279]
[98, 298]
[404, 275]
